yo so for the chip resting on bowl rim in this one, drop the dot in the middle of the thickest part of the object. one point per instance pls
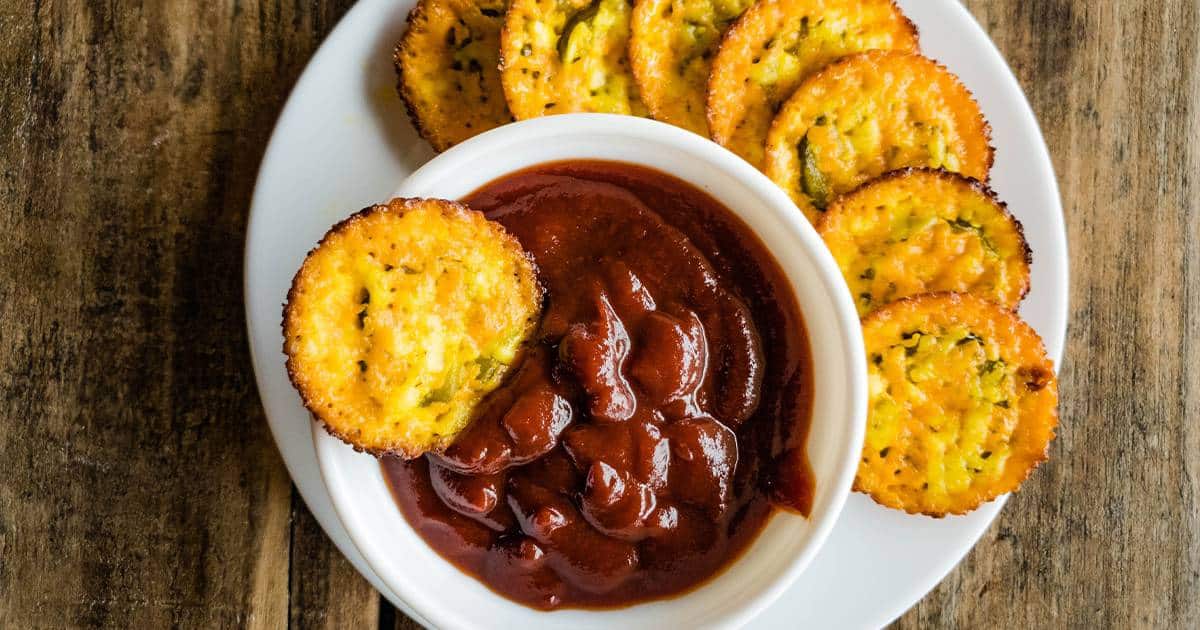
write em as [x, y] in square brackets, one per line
[403, 318]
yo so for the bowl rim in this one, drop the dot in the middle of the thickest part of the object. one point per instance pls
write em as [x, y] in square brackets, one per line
[580, 125]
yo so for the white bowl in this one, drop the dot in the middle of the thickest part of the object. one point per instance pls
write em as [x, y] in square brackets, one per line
[442, 595]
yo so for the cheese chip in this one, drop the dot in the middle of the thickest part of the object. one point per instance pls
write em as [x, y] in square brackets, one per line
[563, 56]
[777, 44]
[447, 68]
[403, 318]
[963, 404]
[869, 114]
[918, 231]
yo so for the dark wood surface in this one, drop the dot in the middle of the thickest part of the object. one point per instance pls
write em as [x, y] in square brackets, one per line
[139, 486]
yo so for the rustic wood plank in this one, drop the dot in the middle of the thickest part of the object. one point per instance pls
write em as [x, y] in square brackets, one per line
[141, 487]
[326, 590]
[399, 621]
[1108, 533]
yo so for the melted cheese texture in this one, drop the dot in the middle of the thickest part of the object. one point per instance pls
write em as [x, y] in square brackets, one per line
[672, 48]
[922, 230]
[447, 65]
[777, 44]
[963, 404]
[869, 114]
[568, 56]
[403, 318]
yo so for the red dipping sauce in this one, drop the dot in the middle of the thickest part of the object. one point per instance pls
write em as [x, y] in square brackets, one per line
[656, 419]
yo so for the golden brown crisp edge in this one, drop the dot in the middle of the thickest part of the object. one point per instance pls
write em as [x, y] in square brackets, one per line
[399, 205]
[404, 84]
[1020, 326]
[956, 179]
[713, 94]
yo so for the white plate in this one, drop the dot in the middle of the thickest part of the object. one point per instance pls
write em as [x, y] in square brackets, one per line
[344, 142]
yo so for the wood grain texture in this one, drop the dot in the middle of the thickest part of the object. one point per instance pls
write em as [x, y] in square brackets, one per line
[1107, 534]
[326, 592]
[139, 486]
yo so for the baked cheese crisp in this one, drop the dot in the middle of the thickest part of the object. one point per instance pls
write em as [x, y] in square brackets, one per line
[869, 114]
[447, 68]
[569, 56]
[923, 230]
[963, 404]
[403, 318]
[672, 46]
[777, 44]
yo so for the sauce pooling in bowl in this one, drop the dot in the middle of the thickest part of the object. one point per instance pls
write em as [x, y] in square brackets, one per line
[659, 415]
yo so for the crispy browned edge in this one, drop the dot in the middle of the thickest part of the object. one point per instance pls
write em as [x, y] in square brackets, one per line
[875, 55]
[987, 125]
[629, 66]
[504, 58]
[403, 84]
[504, 28]
[448, 208]
[956, 300]
[737, 26]
[957, 179]
[636, 60]
[403, 88]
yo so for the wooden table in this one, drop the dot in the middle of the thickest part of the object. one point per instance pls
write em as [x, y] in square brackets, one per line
[140, 486]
